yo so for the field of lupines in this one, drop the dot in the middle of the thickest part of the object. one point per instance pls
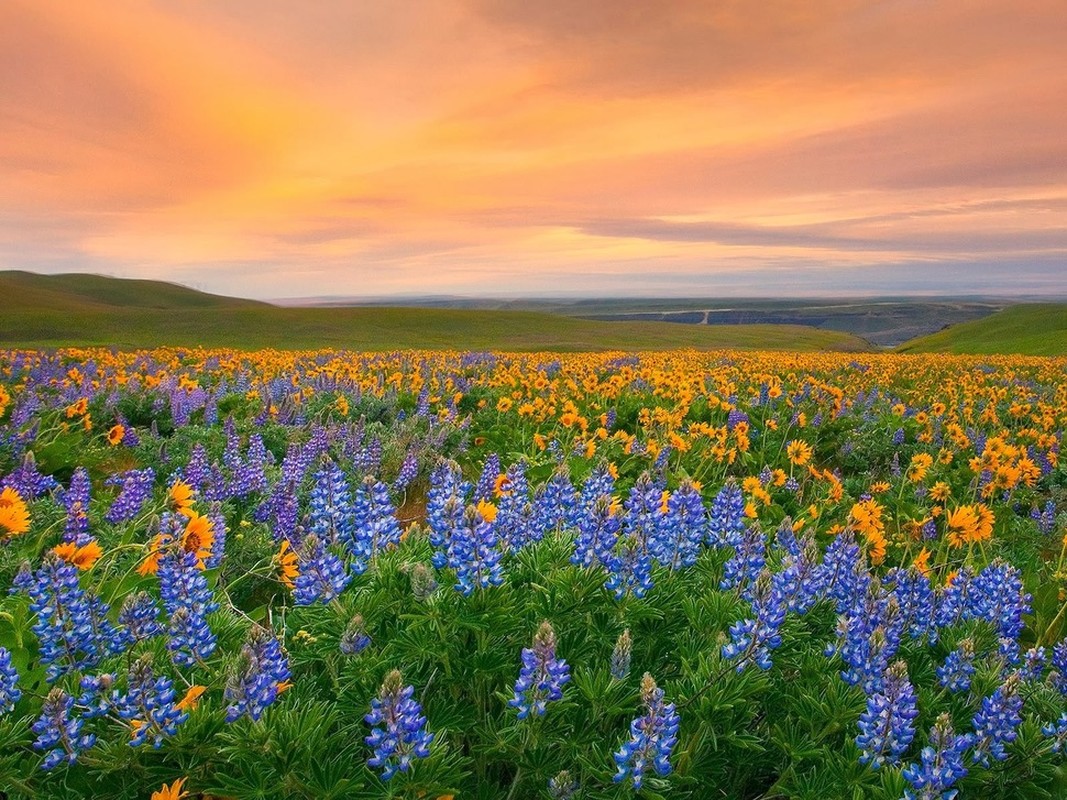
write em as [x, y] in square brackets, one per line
[475, 575]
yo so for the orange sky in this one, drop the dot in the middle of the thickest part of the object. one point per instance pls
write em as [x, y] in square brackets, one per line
[278, 149]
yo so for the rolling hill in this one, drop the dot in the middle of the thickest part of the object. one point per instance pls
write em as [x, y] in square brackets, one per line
[1038, 329]
[72, 310]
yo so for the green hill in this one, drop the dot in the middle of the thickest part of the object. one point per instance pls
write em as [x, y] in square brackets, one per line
[28, 291]
[76, 310]
[1038, 329]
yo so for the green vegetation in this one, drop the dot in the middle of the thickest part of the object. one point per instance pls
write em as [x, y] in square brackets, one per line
[1038, 329]
[73, 310]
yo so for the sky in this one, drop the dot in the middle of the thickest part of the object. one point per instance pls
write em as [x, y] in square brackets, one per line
[273, 149]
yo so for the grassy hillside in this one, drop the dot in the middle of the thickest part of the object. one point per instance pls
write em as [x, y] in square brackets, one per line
[390, 329]
[28, 291]
[1032, 329]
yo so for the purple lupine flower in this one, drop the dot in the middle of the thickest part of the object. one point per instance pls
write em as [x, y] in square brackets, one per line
[197, 471]
[398, 728]
[915, 598]
[27, 480]
[1057, 731]
[599, 484]
[475, 553]
[869, 640]
[1033, 666]
[75, 502]
[997, 596]
[409, 468]
[71, 625]
[542, 676]
[374, 524]
[322, 575]
[887, 726]
[148, 705]
[445, 502]
[59, 731]
[261, 674]
[727, 523]
[621, 655]
[514, 519]
[9, 683]
[95, 699]
[955, 674]
[598, 531]
[187, 600]
[552, 503]
[1058, 676]
[139, 614]
[483, 490]
[355, 639]
[330, 505]
[562, 786]
[997, 721]
[753, 638]
[630, 564]
[683, 528]
[136, 488]
[652, 738]
[941, 764]
[747, 562]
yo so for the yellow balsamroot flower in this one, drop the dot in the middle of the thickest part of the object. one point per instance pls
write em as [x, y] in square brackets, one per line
[799, 452]
[181, 495]
[487, 510]
[866, 518]
[14, 515]
[198, 537]
[81, 557]
[191, 699]
[967, 524]
[287, 562]
[922, 563]
[115, 434]
[171, 791]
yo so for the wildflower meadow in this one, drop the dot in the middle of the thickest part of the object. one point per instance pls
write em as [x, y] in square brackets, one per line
[487, 575]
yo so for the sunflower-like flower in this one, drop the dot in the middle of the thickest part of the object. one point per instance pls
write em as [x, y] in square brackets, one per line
[14, 515]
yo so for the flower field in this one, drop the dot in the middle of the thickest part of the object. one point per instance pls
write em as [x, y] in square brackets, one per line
[488, 575]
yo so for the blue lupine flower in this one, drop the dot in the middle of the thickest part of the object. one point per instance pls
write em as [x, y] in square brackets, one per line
[997, 596]
[445, 502]
[148, 705]
[398, 728]
[869, 640]
[915, 597]
[354, 640]
[475, 553]
[1033, 666]
[727, 521]
[542, 676]
[409, 468]
[197, 471]
[136, 488]
[71, 625]
[261, 674]
[682, 529]
[330, 505]
[188, 601]
[514, 519]
[1057, 731]
[621, 655]
[630, 564]
[753, 638]
[996, 722]
[747, 562]
[374, 523]
[1059, 666]
[322, 575]
[553, 502]
[941, 764]
[598, 532]
[140, 616]
[27, 480]
[801, 580]
[95, 699]
[75, 502]
[955, 674]
[599, 484]
[9, 683]
[1045, 517]
[887, 726]
[845, 574]
[562, 786]
[652, 737]
[250, 476]
[59, 731]
[483, 490]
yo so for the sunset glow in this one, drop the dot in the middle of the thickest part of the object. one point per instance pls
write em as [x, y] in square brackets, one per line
[497, 147]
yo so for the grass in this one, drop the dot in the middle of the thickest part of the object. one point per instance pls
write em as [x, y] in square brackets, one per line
[1038, 329]
[391, 329]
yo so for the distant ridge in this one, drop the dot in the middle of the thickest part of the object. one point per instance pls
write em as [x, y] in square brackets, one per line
[84, 310]
[1037, 329]
[29, 291]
